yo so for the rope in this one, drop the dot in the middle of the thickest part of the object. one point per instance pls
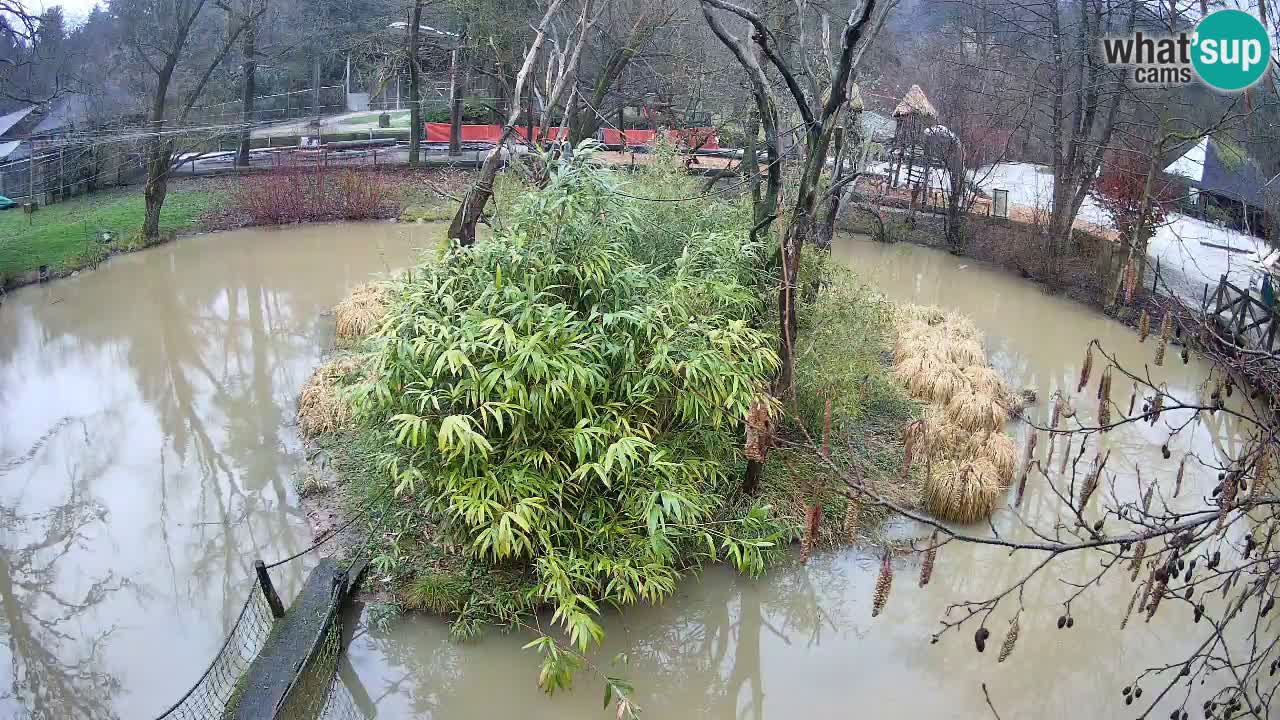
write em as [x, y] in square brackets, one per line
[336, 531]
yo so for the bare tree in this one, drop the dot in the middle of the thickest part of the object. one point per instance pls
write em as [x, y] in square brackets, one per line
[463, 227]
[159, 33]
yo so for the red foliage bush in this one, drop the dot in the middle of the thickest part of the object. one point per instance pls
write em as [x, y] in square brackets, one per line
[291, 195]
[1120, 188]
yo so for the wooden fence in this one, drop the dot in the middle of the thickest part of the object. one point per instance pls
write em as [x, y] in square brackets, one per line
[1244, 317]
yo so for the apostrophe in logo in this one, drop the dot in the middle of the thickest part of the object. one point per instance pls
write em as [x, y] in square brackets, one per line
[1230, 50]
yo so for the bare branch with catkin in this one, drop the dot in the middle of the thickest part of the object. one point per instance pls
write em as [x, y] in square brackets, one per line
[1086, 368]
[1010, 640]
[1166, 332]
[1144, 326]
[930, 557]
[883, 584]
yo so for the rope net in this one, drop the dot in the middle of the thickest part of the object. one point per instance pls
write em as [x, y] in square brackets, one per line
[214, 695]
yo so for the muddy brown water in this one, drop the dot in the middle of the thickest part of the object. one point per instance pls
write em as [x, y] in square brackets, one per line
[147, 454]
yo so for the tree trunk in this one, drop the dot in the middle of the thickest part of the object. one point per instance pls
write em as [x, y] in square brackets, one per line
[157, 187]
[415, 91]
[455, 106]
[250, 89]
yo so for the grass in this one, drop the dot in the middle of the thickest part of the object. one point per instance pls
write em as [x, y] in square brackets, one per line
[63, 235]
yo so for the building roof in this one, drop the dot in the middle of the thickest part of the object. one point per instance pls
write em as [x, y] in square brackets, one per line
[876, 126]
[68, 110]
[914, 103]
[1222, 169]
[7, 148]
[8, 121]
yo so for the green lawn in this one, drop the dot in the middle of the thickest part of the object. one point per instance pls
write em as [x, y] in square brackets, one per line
[59, 235]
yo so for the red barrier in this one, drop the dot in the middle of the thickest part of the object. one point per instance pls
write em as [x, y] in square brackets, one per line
[439, 133]
[685, 138]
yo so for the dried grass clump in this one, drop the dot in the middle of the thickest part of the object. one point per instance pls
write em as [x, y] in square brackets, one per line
[939, 358]
[977, 412]
[321, 406]
[359, 314]
[998, 449]
[964, 351]
[964, 492]
[986, 380]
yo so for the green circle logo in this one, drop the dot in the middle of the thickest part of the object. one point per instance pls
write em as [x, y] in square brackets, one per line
[1232, 50]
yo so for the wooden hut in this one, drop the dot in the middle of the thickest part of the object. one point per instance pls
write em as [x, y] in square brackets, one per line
[913, 115]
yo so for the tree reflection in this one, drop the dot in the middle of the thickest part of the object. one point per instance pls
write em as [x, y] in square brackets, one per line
[53, 673]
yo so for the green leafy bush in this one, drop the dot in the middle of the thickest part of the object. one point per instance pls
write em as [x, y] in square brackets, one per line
[567, 399]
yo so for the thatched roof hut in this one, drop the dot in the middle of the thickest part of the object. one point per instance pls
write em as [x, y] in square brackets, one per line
[915, 104]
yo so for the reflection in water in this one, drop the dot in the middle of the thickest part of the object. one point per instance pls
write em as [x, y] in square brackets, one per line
[146, 443]
[54, 670]
[800, 642]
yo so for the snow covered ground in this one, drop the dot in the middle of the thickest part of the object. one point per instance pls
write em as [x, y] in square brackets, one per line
[1191, 252]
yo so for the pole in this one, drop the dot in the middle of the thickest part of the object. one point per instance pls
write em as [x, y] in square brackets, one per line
[269, 589]
[31, 175]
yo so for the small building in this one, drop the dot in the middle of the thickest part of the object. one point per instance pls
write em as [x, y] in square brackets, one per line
[1222, 183]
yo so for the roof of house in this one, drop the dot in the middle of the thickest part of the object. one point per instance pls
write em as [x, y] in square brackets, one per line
[1222, 169]
[70, 109]
[8, 121]
[915, 103]
[876, 126]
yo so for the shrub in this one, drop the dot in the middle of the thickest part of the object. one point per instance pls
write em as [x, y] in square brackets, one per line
[304, 194]
[571, 406]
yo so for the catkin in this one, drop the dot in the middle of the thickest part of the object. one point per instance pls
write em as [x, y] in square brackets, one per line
[1146, 592]
[1128, 611]
[1166, 331]
[930, 557]
[1010, 640]
[1157, 591]
[851, 510]
[1026, 469]
[1144, 326]
[1054, 423]
[1133, 397]
[1130, 281]
[1104, 400]
[1086, 368]
[1230, 486]
[1066, 457]
[1182, 470]
[1139, 551]
[1146, 500]
[883, 585]
[1157, 404]
[1090, 483]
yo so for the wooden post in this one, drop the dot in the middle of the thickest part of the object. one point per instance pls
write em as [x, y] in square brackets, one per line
[268, 589]
[31, 175]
